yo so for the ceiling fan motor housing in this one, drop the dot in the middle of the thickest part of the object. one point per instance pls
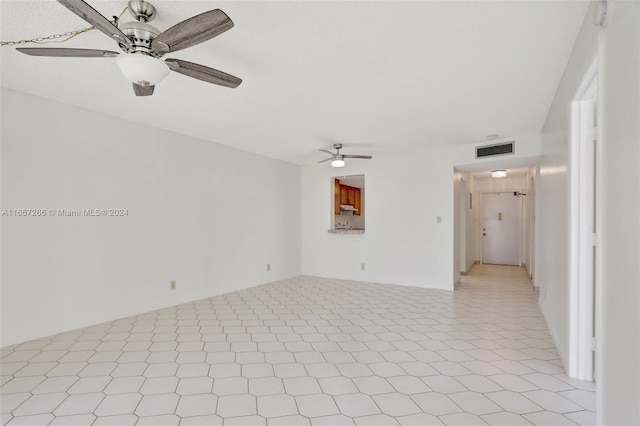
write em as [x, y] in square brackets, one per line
[141, 34]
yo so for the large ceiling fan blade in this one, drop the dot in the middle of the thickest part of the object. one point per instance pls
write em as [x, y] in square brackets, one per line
[67, 53]
[366, 157]
[192, 31]
[203, 73]
[328, 152]
[325, 160]
[141, 90]
[93, 17]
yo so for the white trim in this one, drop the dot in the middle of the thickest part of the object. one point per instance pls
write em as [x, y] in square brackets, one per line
[532, 226]
[462, 211]
[554, 336]
[582, 188]
[521, 224]
[457, 283]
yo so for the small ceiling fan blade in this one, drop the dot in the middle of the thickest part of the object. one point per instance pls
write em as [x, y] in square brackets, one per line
[93, 17]
[203, 73]
[366, 157]
[141, 90]
[325, 160]
[194, 30]
[328, 152]
[67, 53]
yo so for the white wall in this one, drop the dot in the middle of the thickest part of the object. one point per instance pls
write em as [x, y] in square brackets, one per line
[617, 209]
[403, 243]
[533, 243]
[471, 255]
[459, 251]
[466, 231]
[208, 216]
[528, 221]
[515, 182]
[552, 193]
[618, 212]
[465, 223]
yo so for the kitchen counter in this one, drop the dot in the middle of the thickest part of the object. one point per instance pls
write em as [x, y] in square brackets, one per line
[346, 231]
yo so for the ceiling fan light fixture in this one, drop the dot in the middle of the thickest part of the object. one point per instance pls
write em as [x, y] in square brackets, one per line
[142, 69]
[498, 173]
[337, 162]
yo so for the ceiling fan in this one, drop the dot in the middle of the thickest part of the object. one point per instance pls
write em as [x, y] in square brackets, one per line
[144, 45]
[337, 159]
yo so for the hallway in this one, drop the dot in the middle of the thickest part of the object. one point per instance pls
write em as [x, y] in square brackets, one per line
[307, 351]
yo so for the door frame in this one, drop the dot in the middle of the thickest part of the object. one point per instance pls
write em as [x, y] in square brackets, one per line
[463, 224]
[520, 222]
[582, 228]
[532, 227]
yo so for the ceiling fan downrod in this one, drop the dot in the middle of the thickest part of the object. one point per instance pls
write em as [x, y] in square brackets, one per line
[142, 10]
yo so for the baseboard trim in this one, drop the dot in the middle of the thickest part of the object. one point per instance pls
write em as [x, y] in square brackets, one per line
[554, 337]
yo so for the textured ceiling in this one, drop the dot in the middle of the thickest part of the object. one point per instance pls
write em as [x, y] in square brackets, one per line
[374, 76]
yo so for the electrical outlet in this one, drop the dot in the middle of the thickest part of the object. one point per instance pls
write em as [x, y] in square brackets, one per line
[362, 266]
[172, 285]
[438, 219]
[268, 266]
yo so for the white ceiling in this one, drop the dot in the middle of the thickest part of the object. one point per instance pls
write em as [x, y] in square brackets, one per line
[374, 76]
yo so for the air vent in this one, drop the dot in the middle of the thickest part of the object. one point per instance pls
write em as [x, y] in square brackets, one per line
[493, 150]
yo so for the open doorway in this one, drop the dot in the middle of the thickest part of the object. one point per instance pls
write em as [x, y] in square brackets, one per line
[499, 208]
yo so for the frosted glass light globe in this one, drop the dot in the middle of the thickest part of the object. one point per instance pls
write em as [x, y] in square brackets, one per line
[142, 69]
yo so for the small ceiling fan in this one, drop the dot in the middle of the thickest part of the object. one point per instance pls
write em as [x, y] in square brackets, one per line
[144, 45]
[337, 159]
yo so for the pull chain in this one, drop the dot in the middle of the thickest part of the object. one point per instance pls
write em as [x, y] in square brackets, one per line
[48, 39]
[54, 38]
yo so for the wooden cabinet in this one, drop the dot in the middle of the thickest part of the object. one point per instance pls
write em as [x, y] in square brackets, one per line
[352, 196]
[344, 195]
[349, 196]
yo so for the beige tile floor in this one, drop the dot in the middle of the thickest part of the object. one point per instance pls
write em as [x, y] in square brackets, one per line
[308, 351]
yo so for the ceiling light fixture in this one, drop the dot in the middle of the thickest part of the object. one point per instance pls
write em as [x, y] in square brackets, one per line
[337, 161]
[498, 173]
[142, 69]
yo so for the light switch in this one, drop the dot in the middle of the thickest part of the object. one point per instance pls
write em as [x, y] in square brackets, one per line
[500, 216]
[438, 219]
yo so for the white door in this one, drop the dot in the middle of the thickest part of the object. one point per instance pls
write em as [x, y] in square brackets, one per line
[501, 228]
